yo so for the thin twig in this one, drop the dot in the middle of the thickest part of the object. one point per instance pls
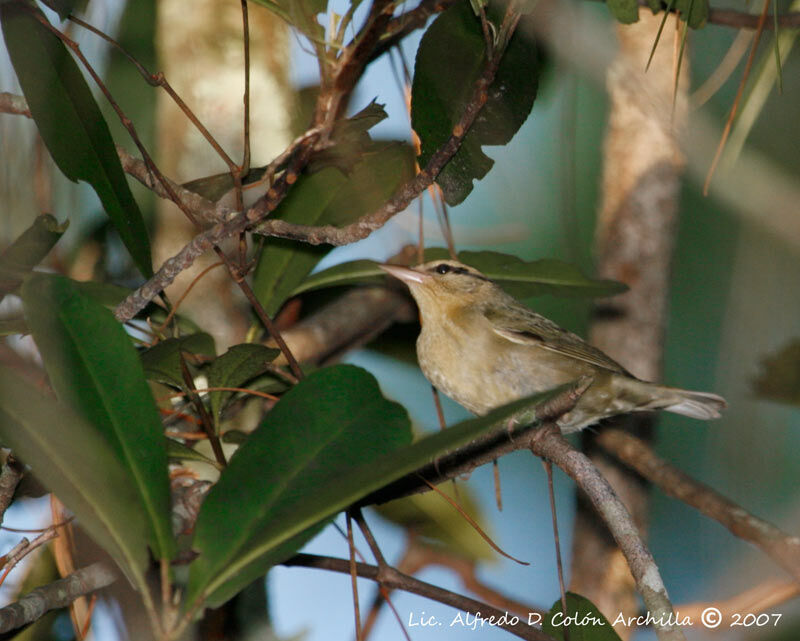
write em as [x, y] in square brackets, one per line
[206, 422]
[398, 581]
[10, 476]
[548, 468]
[24, 548]
[353, 576]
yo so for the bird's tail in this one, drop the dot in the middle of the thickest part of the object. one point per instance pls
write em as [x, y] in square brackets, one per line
[700, 405]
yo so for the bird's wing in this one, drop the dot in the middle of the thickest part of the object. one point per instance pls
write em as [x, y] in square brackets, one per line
[525, 327]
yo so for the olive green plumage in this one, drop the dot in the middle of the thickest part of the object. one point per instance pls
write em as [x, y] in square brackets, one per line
[483, 349]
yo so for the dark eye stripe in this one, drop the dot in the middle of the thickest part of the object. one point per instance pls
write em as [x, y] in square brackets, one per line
[444, 268]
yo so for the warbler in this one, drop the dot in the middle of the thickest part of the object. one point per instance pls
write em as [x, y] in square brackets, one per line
[483, 348]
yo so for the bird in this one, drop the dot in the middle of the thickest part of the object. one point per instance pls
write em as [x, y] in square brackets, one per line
[483, 348]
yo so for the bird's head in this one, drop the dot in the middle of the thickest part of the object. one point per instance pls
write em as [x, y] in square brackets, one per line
[442, 284]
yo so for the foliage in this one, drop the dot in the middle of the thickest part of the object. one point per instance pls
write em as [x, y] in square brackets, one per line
[122, 404]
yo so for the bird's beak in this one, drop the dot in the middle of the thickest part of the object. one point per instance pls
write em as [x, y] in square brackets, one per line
[406, 274]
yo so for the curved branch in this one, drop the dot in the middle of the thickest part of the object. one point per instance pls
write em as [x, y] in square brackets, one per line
[781, 547]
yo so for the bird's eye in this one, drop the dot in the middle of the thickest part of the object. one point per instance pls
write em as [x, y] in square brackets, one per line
[443, 268]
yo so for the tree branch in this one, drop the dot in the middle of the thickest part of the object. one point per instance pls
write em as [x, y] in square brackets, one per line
[328, 234]
[55, 595]
[395, 580]
[10, 477]
[782, 548]
[504, 439]
[549, 443]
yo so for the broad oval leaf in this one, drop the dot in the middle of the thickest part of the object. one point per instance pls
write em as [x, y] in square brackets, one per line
[327, 197]
[625, 11]
[162, 361]
[226, 558]
[584, 623]
[70, 121]
[330, 423]
[73, 460]
[428, 516]
[235, 367]
[455, 43]
[95, 369]
[520, 278]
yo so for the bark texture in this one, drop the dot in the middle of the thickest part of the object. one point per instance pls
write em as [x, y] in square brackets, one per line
[634, 243]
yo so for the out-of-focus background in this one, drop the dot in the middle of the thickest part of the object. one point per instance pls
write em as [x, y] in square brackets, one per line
[734, 301]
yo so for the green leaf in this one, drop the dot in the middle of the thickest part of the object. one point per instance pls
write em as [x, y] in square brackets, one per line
[694, 12]
[349, 273]
[779, 379]
[455, 43]
[162, 362]
[328, 197]
[522, 279]
[320, 430]
[70, 122]
[334, 426]
[585, 622]
[64, 7]
[235, 367]
[180, 452]
[625, 11]
[95, 369]
[430, 517]
[71, 458]
[29, 250]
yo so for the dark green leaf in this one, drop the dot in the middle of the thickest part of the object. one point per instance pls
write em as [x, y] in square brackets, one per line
[70, 122]
[585, 622]
[29, 250]
[95, 369]
[327, 197]
[350, 139]
[779, 379]
[312, 461]
[181, 452]
[110, 295]
[71, 458]
[320, 430]
[349, 273]
[434, 520]
[235, 367]
[695, 12]
[455, 43]
[216, 186]
[64, 7]
[162, 362]
[625, 11]
[522, 279]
